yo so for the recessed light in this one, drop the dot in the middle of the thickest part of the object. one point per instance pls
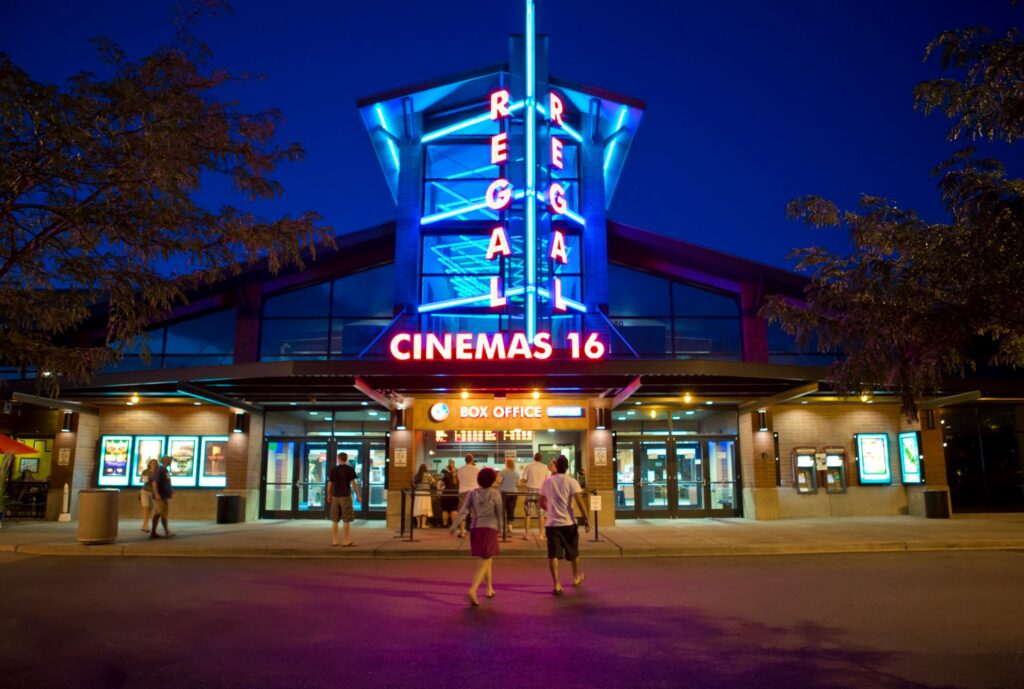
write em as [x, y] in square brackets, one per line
[803, 402]
[536, 395]
[631, 412]
[314, 413]
[365, 404]
[687, 398]
[638, 403]
[690, 412]
[675, 418]
[292, 403]
[372, 413]
[709, 403]
[197, 404]
[551, 430]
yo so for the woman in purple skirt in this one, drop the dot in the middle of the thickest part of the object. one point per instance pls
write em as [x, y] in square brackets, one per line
[487, 520]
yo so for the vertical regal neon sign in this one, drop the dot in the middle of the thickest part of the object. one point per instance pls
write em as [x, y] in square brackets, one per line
[498, 197]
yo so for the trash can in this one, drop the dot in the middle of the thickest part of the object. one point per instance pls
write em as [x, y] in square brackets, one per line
[936, 504]
[97, 515]
[229, 509]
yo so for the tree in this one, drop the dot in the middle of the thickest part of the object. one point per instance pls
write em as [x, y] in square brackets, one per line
[916, 302]
[98, 197]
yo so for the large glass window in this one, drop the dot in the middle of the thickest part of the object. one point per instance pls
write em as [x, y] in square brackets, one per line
[784, 349]
[207, 340]
[330, 320]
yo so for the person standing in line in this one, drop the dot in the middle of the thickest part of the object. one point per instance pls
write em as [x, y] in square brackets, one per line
[485, 505]
[450, 493]
[423, 484]
[534, 475]
[508, 484]
[162, 494]
[146, 492]
[556, 497]
[467, 482]
[341, 486]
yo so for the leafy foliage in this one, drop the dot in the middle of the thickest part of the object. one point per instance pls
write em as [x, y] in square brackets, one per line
[915, 302]
[98, 194]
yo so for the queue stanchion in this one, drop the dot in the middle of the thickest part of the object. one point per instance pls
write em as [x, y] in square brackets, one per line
[595, 507]
[401, 523]
[412, 518]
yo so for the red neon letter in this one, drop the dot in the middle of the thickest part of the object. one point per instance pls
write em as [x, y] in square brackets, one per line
[557, 108]
[497, 293]
[464, 345]
[493, 348]
[396, 349]
[519, 347]
[560, 304]
[556, 153]
[441, 347]
[499, 244]
[499, 195]
[556, 197]
[499, 148]
[558, 252]
[499, 104]
[542, 347]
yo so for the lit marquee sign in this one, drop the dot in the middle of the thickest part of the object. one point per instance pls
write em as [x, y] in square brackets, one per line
[554, 196]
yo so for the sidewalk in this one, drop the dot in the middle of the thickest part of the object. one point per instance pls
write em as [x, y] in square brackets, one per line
[648, 538]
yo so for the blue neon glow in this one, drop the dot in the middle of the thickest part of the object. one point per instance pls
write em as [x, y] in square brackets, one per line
[531, 165]
[569, 213]
[618, 127]
[427, 219]
[571, 303]
[384, 126]
[465, 301]
[566, 128]
[459, 126]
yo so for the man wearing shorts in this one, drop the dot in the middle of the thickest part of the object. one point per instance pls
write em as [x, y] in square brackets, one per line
[556, 497]
[162, 493]
[467, 482]
[341, 483]
[534, 475]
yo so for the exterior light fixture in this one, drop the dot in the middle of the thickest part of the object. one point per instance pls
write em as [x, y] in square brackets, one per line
[197, 404]
[709, 403]
[867, 397]
[762, 420]
[365, 403]
[399, 419]
[654, 414]
[536, 395]
[465, 394]
[135, 398]
[687, 398]
[603, 417]
[67, 421]
[638, 403]
[239, 422]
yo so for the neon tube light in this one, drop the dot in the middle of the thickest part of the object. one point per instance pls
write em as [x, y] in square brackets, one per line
[531, 183]
[465, 301]
[459, 126]
[428, 219]
[564, 127]
[391, 144]
[571, 303]
[618, 128]
[569, 213]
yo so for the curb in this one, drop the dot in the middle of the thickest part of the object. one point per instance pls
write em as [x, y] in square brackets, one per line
[381, 553]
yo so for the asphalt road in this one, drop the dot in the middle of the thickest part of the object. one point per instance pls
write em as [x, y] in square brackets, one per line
[952, 619]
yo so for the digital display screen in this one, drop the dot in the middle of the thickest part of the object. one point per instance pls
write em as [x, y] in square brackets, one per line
[873, 458]
[213, 462]
[115, 451]
[147, 447]
[184, 453]
[910, 457]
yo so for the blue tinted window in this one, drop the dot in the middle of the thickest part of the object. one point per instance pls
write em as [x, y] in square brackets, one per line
[460, 161]
[457, 253]
[213, 334]
[695, 301]
[309, 301]
[350, 336]
[648, 336]
[716, 338]
[368, 293]
[294, 338]
[633, 293]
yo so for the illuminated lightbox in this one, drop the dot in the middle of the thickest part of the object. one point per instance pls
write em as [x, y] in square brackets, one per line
[910, 457]
[184, 451]
[147, 447]
[873, 459]
[213, 462]
[115, 452]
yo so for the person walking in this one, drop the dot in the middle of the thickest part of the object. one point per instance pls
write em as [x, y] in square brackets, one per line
[162, 494]
[508, 485]
[341, 486]
[423, 485]
[484, 503]
[534, 475]
[450, 493]
[467, 482]
[556, 497]
[146, 492]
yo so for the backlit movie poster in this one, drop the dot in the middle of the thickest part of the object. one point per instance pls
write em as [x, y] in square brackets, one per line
[215, 463]
[873, 456]
[115, 456]
[147, 449]
[183, 457]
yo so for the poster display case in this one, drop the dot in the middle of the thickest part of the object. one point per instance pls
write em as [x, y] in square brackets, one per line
[115, 453]
[184, 452]
[147, 447]
[835, 470]
[805, 475]
[873, 459]
[911, 460]
[213, 461]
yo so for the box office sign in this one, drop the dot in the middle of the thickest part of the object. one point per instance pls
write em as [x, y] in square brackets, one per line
[501, 414]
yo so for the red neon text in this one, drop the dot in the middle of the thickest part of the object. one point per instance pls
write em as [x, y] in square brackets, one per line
[499, 244]
[499, 195]
[557, 108]
[558, 252]
[499, 104]
[556, 153]
[556, 198]
[499, 148]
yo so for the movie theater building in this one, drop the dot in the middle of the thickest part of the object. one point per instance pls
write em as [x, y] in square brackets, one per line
[501, 313]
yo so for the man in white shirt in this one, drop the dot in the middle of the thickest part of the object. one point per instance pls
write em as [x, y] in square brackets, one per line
[534, 475]
[556, 497]
[467, 482]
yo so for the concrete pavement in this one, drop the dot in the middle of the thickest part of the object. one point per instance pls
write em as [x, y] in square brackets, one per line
[645, 538]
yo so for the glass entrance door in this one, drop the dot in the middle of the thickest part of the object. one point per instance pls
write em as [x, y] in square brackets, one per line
[654, 479]
[690, 476]
[294, 484]
[721, 472]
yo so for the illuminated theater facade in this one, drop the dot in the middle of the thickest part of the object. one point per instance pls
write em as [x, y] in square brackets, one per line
[501, 313]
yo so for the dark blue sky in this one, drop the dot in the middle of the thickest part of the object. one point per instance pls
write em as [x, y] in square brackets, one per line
[750, 103]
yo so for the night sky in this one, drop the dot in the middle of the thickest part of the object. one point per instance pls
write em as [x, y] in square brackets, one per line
[750, 103]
